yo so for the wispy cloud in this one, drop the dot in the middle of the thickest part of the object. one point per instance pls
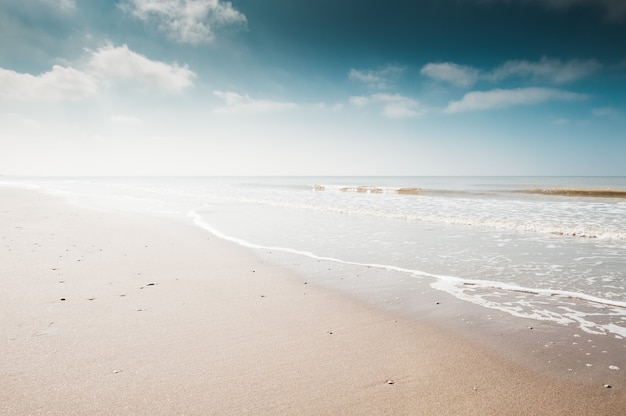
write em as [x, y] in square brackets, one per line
[607, 112]
[549, 69]
[546, 69]
[379, 78]
[392, 105]
[237, 103]
[121, 64]
[460, 75]
[186, 21]
[502, 98]
[58, 84]
[105, 67]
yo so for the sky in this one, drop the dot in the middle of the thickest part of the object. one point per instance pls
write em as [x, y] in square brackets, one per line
[325, 87]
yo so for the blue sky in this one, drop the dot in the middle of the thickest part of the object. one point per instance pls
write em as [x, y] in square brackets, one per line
[284, 87]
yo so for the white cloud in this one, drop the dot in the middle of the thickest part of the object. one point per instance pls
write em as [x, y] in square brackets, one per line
[106, 66]
[121, 64]
[186, 21]
[59, 84]
[237, 103]
[393, 105]
[501, 98]
[551, 69]
[379, 78]
[460, 75]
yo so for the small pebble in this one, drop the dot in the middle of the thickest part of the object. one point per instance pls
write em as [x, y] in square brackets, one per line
[390, 382]
[613, 367]
[62, 299]
[607, 386]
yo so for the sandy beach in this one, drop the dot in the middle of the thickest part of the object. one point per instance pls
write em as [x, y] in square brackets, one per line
[108, 313]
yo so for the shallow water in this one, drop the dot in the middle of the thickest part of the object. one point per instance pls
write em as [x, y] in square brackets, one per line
[549, 249]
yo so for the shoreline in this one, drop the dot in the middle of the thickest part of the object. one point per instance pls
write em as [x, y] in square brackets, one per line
[116, 313]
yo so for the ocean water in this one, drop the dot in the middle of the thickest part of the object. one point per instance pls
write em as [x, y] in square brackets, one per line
[544, 248]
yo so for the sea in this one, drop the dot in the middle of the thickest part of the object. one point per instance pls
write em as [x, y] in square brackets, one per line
[542, 248]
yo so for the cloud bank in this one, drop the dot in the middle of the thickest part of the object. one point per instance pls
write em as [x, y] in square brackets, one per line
[186, 21]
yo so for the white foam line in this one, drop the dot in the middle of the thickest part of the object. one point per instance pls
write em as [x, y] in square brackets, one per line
[418, 273]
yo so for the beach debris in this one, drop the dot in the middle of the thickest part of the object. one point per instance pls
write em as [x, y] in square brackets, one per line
[390, 381]
[329, 332]
[614, 367]
[62, 299]
[607, 386]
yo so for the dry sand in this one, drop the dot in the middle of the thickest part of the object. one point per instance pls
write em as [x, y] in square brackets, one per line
[108, 313]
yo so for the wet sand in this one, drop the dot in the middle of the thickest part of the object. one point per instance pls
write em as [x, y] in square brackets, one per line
[109, 313]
